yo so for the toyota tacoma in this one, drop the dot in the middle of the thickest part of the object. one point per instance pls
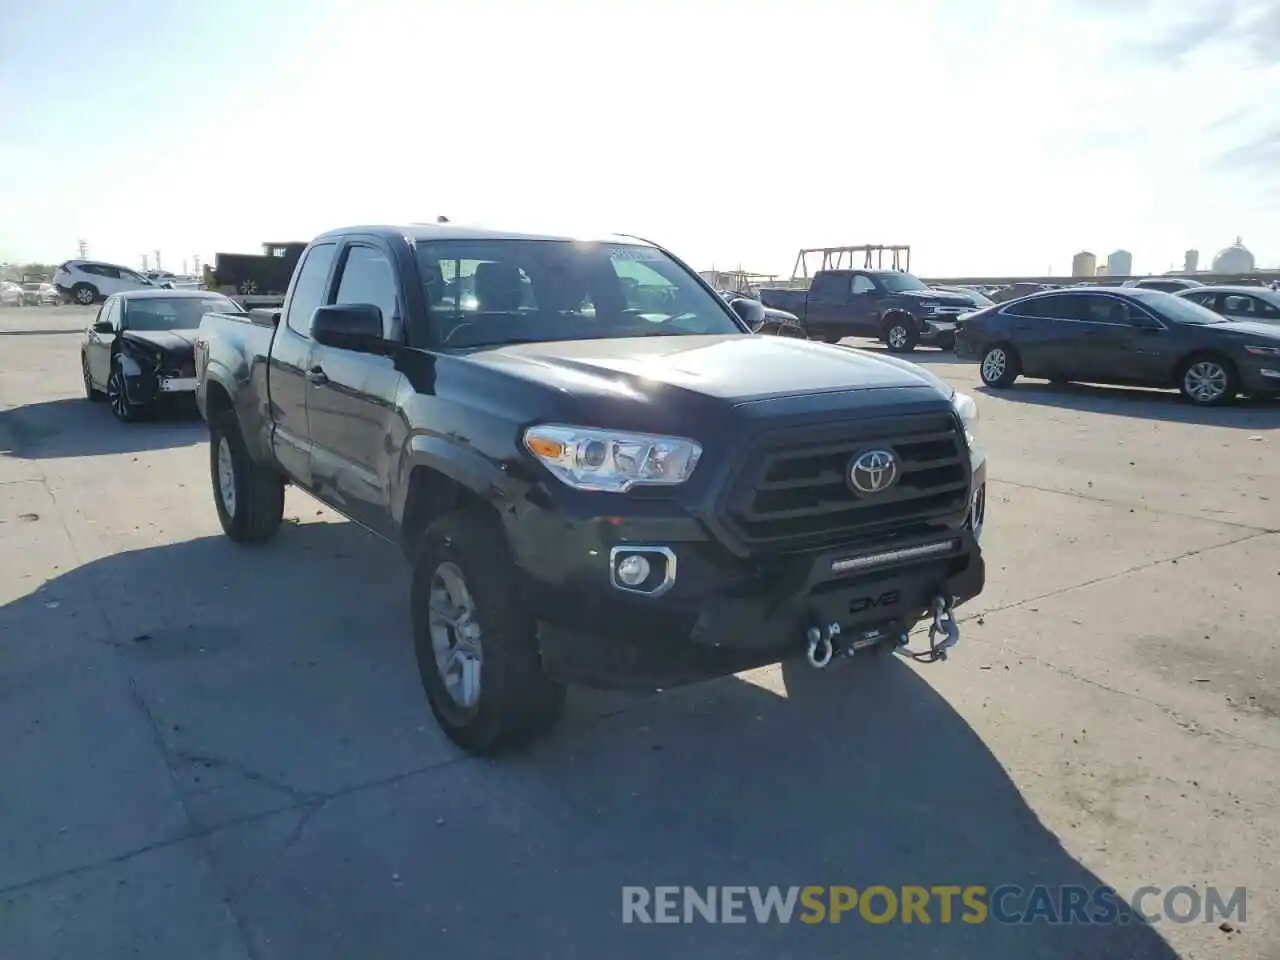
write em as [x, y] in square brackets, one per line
[600, 474]
[887, 305]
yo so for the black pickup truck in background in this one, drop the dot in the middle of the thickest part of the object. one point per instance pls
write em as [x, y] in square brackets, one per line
[600, 475]
[887, 305]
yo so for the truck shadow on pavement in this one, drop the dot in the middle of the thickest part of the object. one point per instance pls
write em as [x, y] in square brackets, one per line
[1245, 414]
[280, 689]
[74, 427]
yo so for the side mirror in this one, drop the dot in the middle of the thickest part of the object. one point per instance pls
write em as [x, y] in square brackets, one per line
[349, 326]
[103, 326]
[750, 312]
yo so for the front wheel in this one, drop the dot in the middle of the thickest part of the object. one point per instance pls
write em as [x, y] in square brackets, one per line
[123, 409]
[84, 294]
[249, 496]
[900, 335]
[476, 645]
[1208, 382]
[999, 367]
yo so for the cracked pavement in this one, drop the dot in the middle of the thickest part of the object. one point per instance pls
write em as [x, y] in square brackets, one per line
[219, 752]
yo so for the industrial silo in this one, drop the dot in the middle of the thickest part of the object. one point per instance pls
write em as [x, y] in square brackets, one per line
[1084, 264]
[1120, 264]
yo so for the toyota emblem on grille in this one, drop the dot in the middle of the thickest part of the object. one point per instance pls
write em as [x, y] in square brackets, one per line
[874, 471]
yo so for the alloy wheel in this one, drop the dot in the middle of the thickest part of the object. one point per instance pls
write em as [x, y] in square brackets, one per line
[994, 364]
[898, 337]
[455, 635]
[226, 477]
[1205, 381]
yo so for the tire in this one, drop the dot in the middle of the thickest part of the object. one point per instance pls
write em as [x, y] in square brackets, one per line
[900, 334]
[121, 408]
[1208, 380]
[512, 701]
[251, 506]
[84, 294]
[947, 342]
[999, 366]
[91, 393]
[831, 338]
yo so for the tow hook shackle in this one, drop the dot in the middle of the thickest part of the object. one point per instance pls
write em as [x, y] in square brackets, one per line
[821, 648]
[944, 626]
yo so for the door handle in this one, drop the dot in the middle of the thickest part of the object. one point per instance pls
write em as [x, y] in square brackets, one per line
[317, 376]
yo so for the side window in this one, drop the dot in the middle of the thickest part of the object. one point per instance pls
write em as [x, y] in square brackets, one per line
[1039, 308]
[367, 277]
[1243, 305]
[1092, 308]
[644, 290]
[1203, 299]
[1265, 310]
[111, 313]
[829, 284]
[862, 284]
[309, 289]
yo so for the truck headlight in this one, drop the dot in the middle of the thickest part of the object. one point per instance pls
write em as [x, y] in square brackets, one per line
[591, 459]
[966, 408]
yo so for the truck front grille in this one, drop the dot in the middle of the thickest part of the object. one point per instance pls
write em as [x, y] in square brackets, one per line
[794, 488]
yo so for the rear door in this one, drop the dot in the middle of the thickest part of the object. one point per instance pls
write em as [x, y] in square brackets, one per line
[827, 306]
[351, 396]
[1046, 337]
[290, 360]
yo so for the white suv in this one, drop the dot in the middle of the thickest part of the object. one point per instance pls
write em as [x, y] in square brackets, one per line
[88, 281]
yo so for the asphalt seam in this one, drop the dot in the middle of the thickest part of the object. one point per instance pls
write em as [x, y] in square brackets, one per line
[1133, 505]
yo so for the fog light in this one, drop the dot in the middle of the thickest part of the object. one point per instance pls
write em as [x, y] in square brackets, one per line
[633, 570]
[642, 569]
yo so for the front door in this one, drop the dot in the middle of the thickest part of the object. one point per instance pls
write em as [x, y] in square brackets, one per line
[98, 348]
[1126, 344]
[290, 360]
[1049, 341]
[351, 397]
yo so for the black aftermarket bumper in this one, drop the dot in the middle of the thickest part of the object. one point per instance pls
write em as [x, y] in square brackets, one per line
[873, 593]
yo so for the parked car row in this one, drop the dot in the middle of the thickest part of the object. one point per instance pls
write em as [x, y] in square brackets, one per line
[28, 293]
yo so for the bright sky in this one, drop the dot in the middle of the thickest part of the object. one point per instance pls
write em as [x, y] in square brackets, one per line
[994, 136]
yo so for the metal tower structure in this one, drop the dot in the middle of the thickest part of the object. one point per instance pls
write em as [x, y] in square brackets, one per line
[846, 258]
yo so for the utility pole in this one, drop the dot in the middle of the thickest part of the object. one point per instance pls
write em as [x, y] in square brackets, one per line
[144, 263]
[195, 264]
[84, 248]
[157, 259]
[184, 268]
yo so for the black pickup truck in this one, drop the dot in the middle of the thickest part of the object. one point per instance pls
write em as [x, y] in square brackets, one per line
[888, 305]
[600, 475]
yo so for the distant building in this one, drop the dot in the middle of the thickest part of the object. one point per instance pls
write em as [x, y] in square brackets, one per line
[1191, 261]
[1084, 264]
[1120, 264]
[1234, 259]
[1102, 270]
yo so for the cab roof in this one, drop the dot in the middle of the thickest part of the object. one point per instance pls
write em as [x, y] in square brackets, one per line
[424, 232]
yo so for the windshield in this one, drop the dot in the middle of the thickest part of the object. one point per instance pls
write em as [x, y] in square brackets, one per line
[897, 282]
[1177, 309]
[490, 292]
[172, 313]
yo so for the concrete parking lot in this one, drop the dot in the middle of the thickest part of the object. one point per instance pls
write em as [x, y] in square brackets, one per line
[220, 752]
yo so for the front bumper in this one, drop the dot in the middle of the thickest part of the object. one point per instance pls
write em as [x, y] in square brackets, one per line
[1260, 378]
[143, 387]
[722, 614]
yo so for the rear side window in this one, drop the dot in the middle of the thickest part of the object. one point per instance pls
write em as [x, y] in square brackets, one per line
[309, 288]
[829, 284]
[1040, 308]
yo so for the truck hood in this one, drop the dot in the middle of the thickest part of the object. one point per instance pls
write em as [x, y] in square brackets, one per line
[936, 296]
[169, 341]
[733, 368]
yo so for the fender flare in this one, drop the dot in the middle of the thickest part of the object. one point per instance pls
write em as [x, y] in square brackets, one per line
[470, 469]
[257, 442]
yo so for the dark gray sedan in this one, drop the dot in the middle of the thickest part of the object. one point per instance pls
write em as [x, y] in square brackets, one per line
[1124, 335]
